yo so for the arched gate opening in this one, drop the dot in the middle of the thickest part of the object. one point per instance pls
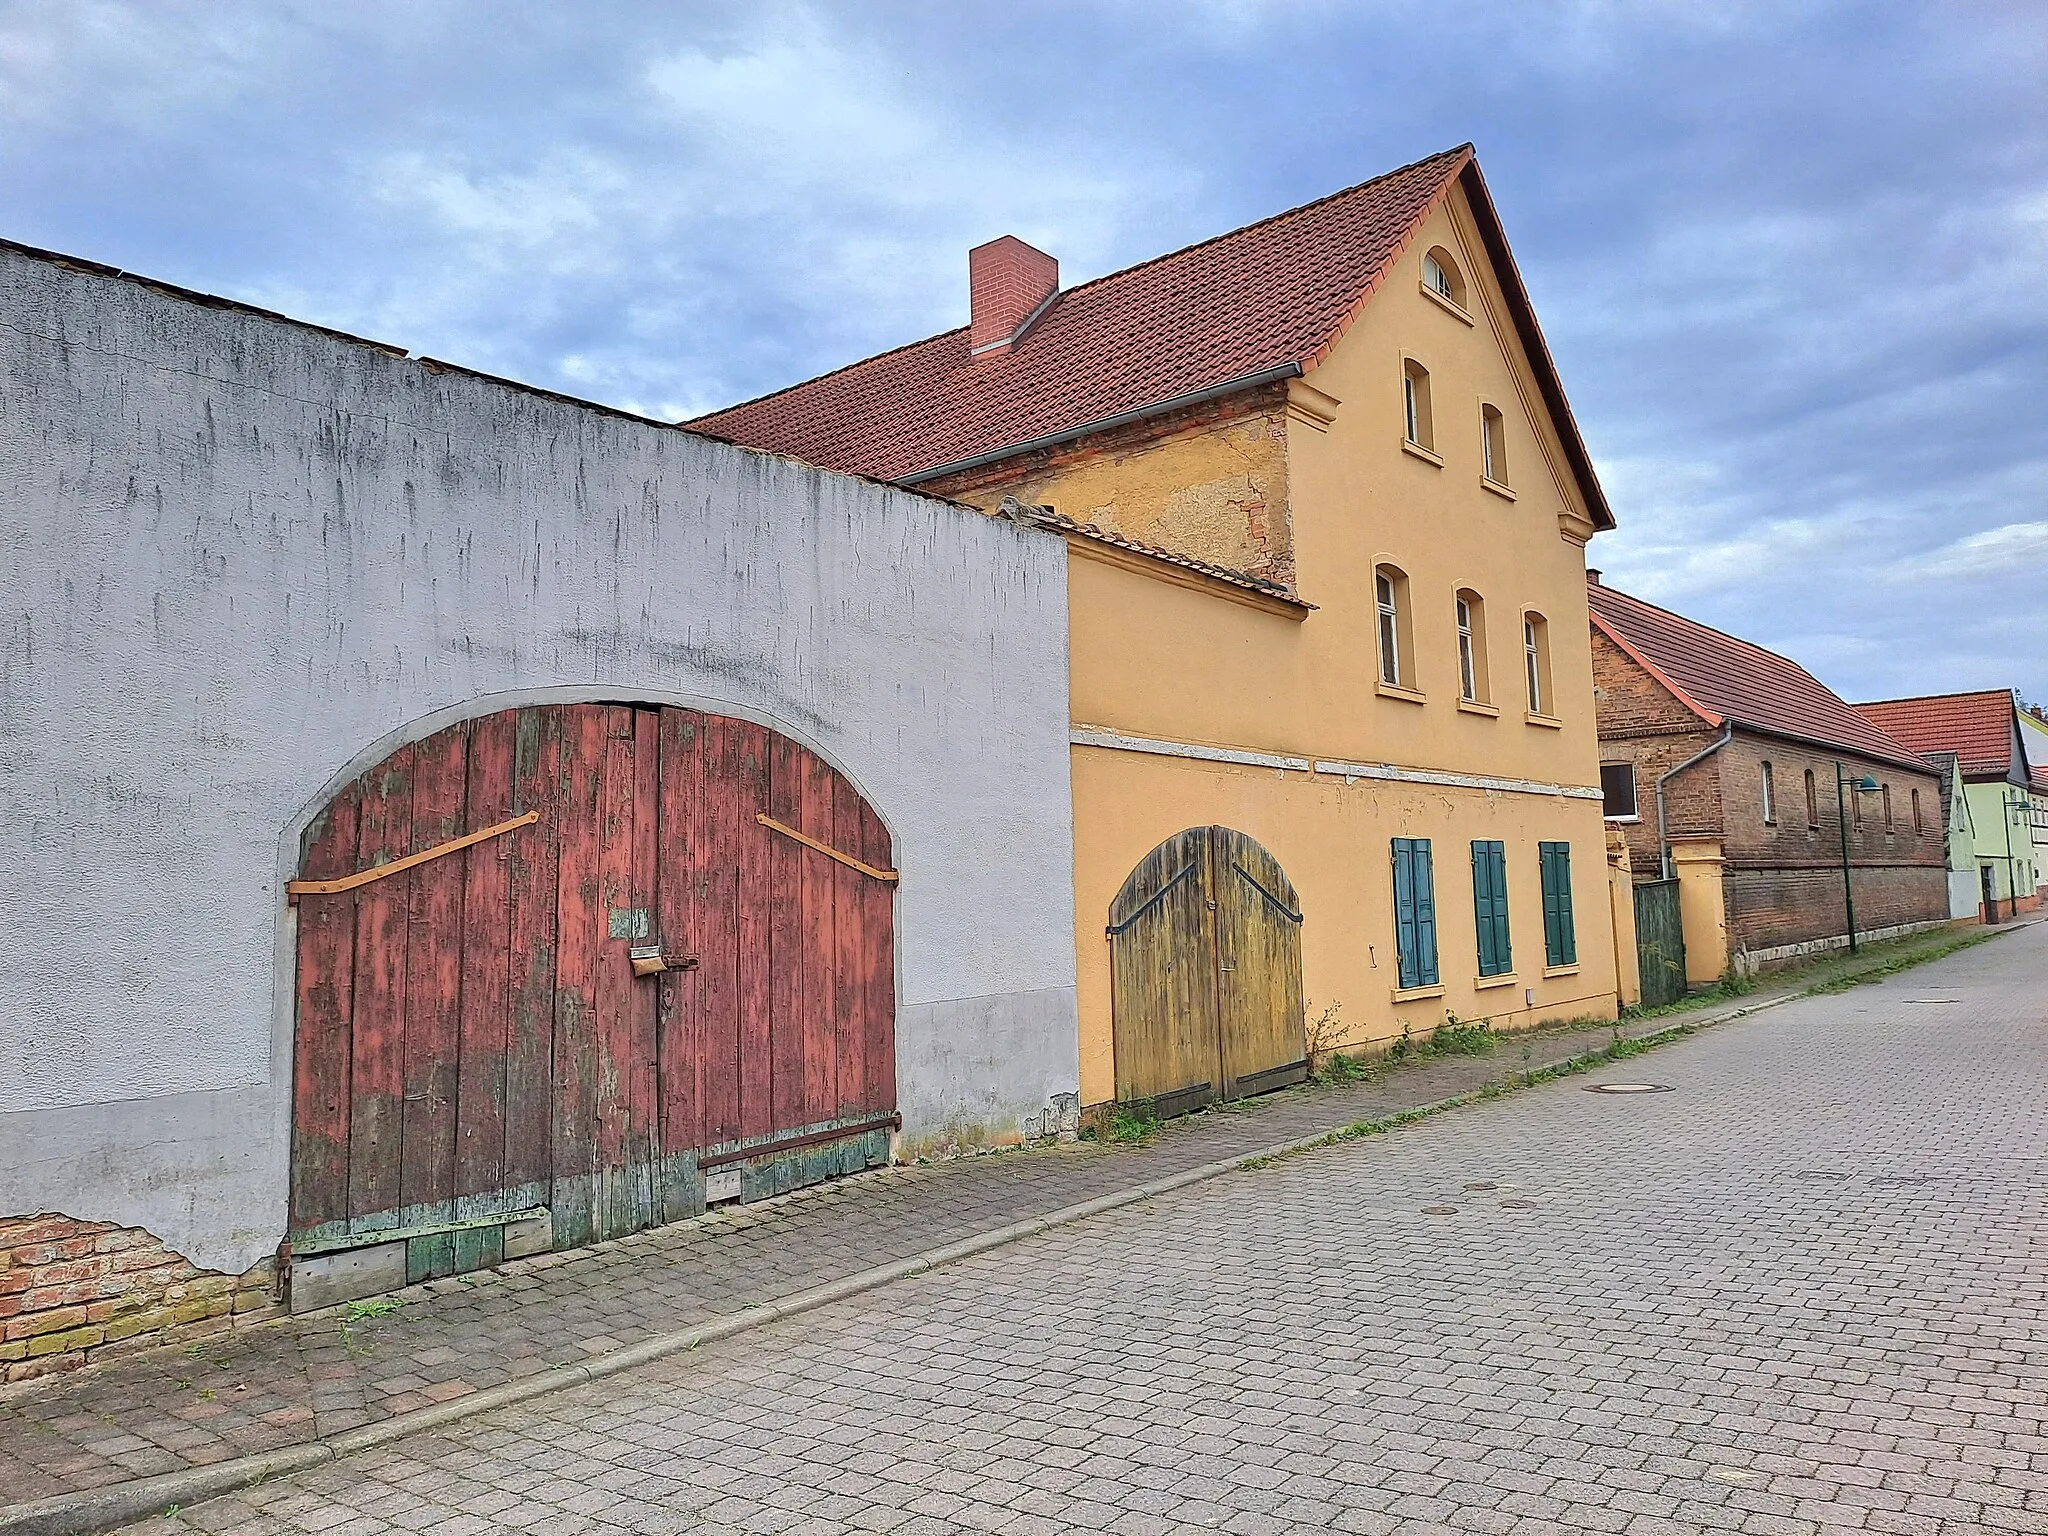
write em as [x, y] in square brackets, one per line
[569, 971]
[1205, 973]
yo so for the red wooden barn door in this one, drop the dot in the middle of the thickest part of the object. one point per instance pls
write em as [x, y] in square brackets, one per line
[473, 1043]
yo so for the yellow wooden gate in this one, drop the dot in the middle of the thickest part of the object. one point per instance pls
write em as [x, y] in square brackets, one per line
[1205, 966]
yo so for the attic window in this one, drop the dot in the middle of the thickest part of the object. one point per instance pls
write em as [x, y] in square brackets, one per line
[1441, 277]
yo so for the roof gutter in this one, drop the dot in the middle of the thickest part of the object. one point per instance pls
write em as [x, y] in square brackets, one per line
[1663, 836]
[1105, 423]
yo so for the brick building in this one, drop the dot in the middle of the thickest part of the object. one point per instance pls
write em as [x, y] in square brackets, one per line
[1719, 760]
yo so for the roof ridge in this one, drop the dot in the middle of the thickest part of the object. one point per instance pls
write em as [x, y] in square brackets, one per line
[1064, 294]
[1710, 629]
[1926, 698]
[1271, 218]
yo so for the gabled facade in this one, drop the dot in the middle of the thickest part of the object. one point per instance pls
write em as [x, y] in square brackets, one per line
[1984, 732]
[1326, 511]
[1733, 770]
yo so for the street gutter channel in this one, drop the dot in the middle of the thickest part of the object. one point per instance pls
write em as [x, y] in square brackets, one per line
[105, 1508]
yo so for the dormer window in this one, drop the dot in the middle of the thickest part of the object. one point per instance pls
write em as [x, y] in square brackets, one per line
[1440, 275]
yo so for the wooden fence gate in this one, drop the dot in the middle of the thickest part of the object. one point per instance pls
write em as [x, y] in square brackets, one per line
[1205, 968]
[566, 971]
[1660, 942]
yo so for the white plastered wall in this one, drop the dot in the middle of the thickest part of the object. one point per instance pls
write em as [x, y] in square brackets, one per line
[241, 559]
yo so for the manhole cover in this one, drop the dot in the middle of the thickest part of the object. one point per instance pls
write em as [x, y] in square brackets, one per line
[1439, 1210]
[1628, 1087]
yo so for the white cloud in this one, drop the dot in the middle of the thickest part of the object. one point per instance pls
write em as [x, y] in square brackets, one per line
[2017, 549]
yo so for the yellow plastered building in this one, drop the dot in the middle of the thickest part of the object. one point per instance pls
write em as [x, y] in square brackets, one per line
[1327, 511]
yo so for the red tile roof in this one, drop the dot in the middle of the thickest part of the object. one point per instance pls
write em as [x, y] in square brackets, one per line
[1724, 679]
[1977, 727]
[1269, 299]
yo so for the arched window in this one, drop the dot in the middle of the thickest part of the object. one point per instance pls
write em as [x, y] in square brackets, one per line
[1415, 404]
[1770, 796]
[1812, 802]
[1493, 445]
[1918, 825]
[1536, 659]
[1390, 593]
[1440, 275]
[1889, 824]
[1472, 682]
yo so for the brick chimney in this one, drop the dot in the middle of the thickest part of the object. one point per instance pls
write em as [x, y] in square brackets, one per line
[1008, 283]
[1592, 577]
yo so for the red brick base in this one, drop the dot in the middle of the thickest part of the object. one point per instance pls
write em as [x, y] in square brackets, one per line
[74, 1292]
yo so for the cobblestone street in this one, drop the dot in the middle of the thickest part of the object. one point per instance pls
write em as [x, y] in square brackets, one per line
[1802, 1291]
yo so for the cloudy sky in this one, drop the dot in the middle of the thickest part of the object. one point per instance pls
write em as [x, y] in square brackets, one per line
[1792, 258]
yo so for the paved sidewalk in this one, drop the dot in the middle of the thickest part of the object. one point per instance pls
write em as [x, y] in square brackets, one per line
[306, 1378]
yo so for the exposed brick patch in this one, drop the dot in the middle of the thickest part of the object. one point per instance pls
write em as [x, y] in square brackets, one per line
[75, 1292]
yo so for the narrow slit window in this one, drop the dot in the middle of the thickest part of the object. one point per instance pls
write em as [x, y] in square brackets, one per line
[1770, 796]
[1918, 825]
[1812, 802]
[1390, 629]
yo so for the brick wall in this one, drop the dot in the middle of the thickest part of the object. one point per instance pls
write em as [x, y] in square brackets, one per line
[74, 1292]
[1641, 723]
[1772, 907]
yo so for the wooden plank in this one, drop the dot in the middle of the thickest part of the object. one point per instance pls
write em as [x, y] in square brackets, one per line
[580, 920]
[377, 1054]
[731, 794]
[788, 971]
[533, 871]
[819, 1045]
[485, 1024]
[321, 1030]
[642, 1136]
[758, 852]
[294, 889]
[433, 1001]
[679, 898]
[878, 967]
[850, 921]
[612, 982]
[828, 848]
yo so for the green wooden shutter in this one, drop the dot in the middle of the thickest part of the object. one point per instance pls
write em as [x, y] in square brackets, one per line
[1425, 914]
[1490, 907]
[1560, 940]
[1414, 912]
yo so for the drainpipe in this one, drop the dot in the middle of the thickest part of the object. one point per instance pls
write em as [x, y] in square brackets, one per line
[1664, 837]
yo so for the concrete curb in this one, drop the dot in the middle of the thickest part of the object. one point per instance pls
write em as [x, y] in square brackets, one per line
[103, 1509]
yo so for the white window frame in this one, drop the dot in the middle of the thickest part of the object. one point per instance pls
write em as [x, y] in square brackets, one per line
[1389, 628]
[1468, 672]
[1532, 664]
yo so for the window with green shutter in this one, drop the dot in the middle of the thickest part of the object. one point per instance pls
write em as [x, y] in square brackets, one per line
[1415, 912]
[1560, 941]
[1490, 907]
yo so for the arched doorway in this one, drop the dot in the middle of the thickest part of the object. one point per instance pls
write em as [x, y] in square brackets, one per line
[1205, 968]
[568, 971]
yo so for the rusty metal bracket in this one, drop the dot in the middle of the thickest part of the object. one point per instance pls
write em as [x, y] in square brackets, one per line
[827, 849]
[297, 888]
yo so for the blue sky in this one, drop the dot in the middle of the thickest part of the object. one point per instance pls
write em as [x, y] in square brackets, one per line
[1792, 258]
